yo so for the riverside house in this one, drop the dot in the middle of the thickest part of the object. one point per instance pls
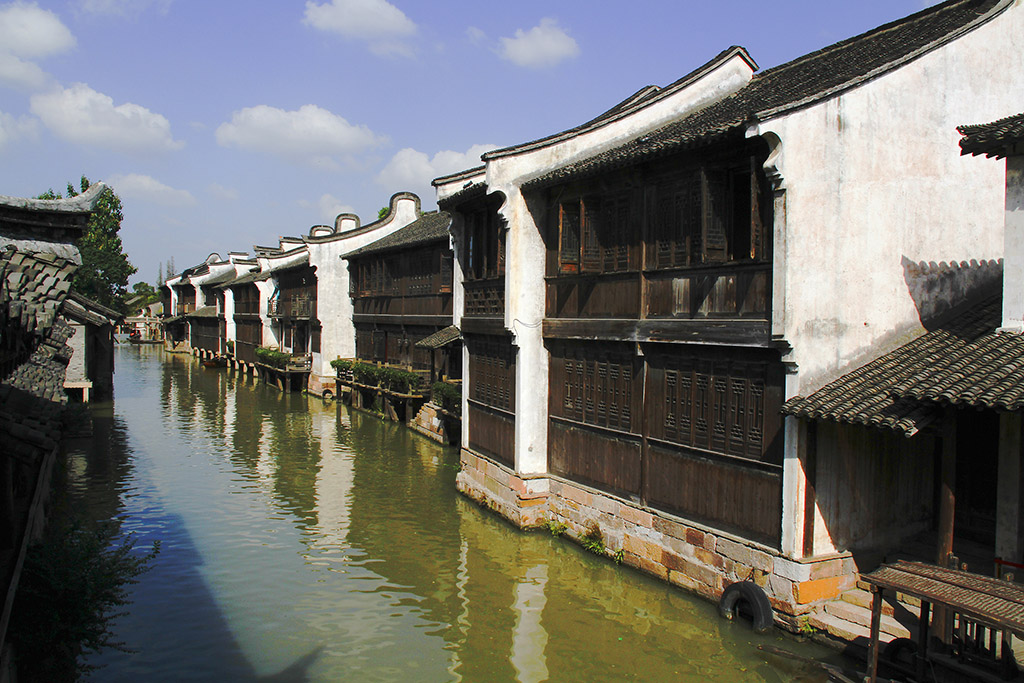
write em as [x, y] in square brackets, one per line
[642, 294]
[401, 289]
[292, 297]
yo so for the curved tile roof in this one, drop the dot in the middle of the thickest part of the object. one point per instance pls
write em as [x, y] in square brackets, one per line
[992, 139]
[429, 227]
[795, 84]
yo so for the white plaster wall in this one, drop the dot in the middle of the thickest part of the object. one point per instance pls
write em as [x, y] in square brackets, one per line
[1013, 241]
[875, 176]
[334, 305]
[76, 366]
[230, 330]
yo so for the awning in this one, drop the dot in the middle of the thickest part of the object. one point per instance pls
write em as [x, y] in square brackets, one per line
[440, 338]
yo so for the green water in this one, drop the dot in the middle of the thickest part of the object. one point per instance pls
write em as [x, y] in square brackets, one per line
[306, 542]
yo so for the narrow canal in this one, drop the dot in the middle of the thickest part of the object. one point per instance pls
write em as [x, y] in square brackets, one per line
[306, 542]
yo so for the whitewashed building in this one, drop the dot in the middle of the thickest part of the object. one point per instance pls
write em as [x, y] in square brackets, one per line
[641, 295]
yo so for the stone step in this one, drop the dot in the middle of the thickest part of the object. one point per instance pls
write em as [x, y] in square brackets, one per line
[890, 606]
[862, 617]
[845, 630]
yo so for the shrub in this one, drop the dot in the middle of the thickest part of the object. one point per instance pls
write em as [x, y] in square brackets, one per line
[272, 357]
[342, 365]
[367, 374]
[448, 396]
[231, 345]
[398, 380]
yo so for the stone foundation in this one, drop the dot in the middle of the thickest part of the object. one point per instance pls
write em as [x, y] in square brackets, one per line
[318, 385]
[435, 424]
[689, 555]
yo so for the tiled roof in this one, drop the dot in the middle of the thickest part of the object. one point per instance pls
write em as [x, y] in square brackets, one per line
[471, 191]
[992, 139]
[963, 362]
[246, 279]
[798, 83]
[89, 310]
[440, 338]
[204, 312]
[33, 288]
[429, 227]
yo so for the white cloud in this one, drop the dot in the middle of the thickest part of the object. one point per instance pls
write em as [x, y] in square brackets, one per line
[328, 207]
[26, 30]
[18, 73]
[412, 170]
[13, 129]
[383, 26]
[310, 135]
[81, 115]
[227, 194]
[147, 189]
[542, 46]
[123, 8]
[475, 35]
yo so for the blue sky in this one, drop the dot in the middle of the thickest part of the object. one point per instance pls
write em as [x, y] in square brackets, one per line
[226, 124]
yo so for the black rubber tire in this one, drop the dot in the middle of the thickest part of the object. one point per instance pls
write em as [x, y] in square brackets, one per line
[755, 602]
[898, 659]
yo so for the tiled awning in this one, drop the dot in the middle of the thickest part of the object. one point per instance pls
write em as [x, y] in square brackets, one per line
[440, 338]
[963, 362]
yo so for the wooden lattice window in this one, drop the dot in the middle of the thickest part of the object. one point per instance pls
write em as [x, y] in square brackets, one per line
[492, 372]
[706, 214]
[596, 386]
[715, 405]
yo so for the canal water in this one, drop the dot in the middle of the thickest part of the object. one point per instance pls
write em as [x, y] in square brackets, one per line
[302, 541]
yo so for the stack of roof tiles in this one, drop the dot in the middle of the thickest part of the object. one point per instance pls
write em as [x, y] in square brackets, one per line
[33, 287]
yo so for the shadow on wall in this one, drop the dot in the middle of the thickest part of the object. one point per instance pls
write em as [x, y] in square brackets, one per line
[937, 288]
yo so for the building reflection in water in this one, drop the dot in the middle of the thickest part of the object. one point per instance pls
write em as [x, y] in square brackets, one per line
[334, 545]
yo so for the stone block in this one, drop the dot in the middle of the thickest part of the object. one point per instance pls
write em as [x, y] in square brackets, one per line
[818, 589]
[673, 562]
[638, 517]
[791, 570]
[780, 588]
[695, 537]
[654, 568]
[576, 495]
[606, 505]
[710, 559]
[744, 554]
[670, 528]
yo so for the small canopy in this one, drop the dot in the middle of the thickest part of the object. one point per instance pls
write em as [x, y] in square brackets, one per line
[440, 338]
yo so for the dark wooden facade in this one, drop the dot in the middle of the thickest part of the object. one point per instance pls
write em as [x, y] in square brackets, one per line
[206, 333]
[492, 396]
[399, 297]
[186, 300]
[663, 386]
[490, 417]
[248, 326]
[294, 310]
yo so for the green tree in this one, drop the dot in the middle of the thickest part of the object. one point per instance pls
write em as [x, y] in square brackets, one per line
[103, 275]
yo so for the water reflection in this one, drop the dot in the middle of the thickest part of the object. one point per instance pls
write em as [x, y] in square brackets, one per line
[304, 542]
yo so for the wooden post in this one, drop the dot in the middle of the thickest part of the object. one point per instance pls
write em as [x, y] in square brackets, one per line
[923, 635]
[876, 621]
[947, 509]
